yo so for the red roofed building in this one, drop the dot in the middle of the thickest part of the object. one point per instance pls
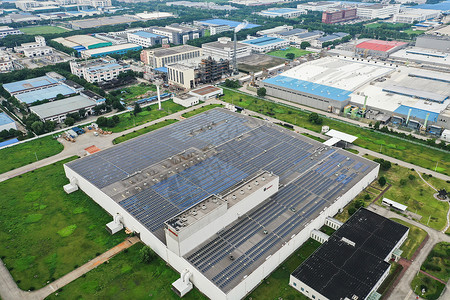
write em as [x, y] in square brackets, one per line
[379, 48]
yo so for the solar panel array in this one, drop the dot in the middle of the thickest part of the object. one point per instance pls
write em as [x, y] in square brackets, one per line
[315, 175]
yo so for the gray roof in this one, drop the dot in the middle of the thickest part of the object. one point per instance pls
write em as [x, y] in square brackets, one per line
[402, 90]
[220, 45]
[161, 52]
[63, 106]
[309, 34]
[292, 32]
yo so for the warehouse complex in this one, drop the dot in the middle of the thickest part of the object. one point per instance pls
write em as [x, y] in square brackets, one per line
[354, 261]
[359, 88]
[222, 197]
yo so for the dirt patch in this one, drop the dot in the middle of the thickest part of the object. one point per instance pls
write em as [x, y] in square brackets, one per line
[258, 62]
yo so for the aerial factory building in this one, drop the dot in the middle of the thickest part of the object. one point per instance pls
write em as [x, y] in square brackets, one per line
[222, 197]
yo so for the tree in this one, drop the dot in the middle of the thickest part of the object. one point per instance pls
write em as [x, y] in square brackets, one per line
[37, 127]
[377, 125]
[315, 119]
[59, 96]
[382, 181]
[69, 121]
[303, 45]
[110, 123]
[82, 113]
[102, 121]
[116, 119]
[290, 55]
[146, 254]
[385, 164]
[234, 84]
[261, 92]
[137, 108]
[49, 126]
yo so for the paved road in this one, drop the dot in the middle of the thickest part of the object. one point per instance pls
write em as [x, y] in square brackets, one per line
[403, 290]
[10, 291]
[88, 139]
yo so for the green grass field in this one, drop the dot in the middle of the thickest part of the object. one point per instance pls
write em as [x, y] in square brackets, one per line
[129, 120]
[126, 277]
[414, 32]
[438, 261]
[136, 92]
[282, 53]
[389, 145]
[45, 29]
[415, 237]
[432, 288]
[387, 25]
[200, 110]
[276, 286]
[45, 232]
[142, 131]
[25, 153]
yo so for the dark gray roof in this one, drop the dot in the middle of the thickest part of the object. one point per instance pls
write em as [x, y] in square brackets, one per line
[338, 270]
[292, 32]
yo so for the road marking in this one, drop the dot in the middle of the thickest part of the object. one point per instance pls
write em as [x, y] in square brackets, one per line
[409, 294]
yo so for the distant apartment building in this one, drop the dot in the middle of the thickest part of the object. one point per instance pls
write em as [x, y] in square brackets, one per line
[98, 70]
[161, 57]
[146, 39]
[340, 15]
[224, 49]
[381, 11]
[6, 30]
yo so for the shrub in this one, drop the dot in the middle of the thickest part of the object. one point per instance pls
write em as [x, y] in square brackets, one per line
[367, 197]
[403, 182]
[146, 254]
[384, 164]
[411, 177]
[382, 181]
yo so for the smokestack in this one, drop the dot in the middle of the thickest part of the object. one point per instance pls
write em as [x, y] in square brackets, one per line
[159, 97]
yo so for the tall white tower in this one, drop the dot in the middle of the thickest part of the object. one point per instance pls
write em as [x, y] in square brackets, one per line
[158, 83]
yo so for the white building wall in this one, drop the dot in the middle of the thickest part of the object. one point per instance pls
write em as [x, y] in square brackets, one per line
[8, 126]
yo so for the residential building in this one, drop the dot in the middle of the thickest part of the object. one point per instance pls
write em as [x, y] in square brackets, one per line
[6, 30]
[224, 49]
[178, 34]
[100, 69]
[380, 11]
[57, 111]
[146, 39]
[339, 15]
[265, 43]
[411, 15]
[288, 13]
[116, 49]
[161, 57]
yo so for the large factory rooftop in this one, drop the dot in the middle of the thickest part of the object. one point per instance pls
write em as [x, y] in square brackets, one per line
[352, 261]
[156, 176]
[379, 45]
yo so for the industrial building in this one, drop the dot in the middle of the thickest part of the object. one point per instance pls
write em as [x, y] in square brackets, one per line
[6, 122]
[6, 30]
[231, 24]
[100, 69]
[186, 100]
[224, 49]
[274, 31]
[161, 57]
[379, 48]
[36, 52]
[318, 6]
[265, 43]
[288, 13]
[105, 51]
[49, 93]
[301, 35]
[222, 197]
[178, 34]
[103, 21]
[33, 84]
[339, 15]
[329, 38]
[82, 42]
[146, 39]
[431, 58]
[57, 111]
[377, 11]
[201, 5]
[156, 15]
[6, 63]
[206, 92]
[411, 15]
[436, 42]
[354, 261]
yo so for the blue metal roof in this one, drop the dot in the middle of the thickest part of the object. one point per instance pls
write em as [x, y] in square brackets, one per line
[161, 69]
[44, 94]
[146, 34]
[262, 41]
[232, 24]
[309, 87]
[5, 119]
[28, 84]
[417, 113]
[8, 142]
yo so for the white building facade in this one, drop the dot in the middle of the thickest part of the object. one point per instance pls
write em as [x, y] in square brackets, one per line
[224, 49]
[98, 70]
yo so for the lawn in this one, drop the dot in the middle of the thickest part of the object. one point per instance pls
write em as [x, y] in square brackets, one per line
[200, 110]
[373, 140]
[144, 130]
[438, 261]
[412, 32]
[25, 153]
[136, 92]
[126, 277]
[276, 286]
[129, 120]
[415, 237]
[432, 288]
[45, 232]
[45, 29]
[282, 53]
